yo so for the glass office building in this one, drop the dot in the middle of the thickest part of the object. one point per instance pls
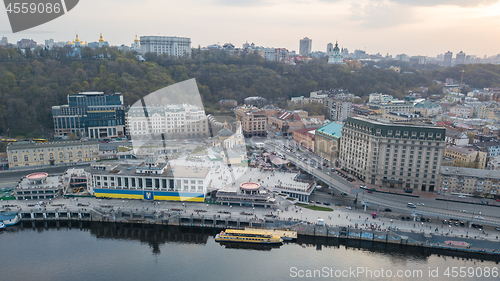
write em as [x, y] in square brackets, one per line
[90, 114]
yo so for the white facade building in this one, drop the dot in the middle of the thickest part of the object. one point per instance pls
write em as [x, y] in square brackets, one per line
[379, 98]
[170, 45]
[174, 121]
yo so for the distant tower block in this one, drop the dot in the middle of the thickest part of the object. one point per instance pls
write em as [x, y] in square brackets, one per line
[329, 49]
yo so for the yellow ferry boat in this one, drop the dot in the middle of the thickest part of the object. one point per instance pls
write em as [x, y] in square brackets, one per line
[248, 236]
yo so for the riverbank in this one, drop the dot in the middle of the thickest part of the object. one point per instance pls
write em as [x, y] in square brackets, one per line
[175, 217]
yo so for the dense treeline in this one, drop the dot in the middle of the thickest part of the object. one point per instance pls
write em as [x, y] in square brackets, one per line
[32, 82]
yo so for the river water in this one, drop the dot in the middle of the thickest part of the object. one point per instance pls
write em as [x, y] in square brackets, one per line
[97, 251]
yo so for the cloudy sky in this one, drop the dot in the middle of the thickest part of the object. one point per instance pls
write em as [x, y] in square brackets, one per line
[414, 27]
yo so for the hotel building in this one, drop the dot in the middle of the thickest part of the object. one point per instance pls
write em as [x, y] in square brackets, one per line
[392, 155]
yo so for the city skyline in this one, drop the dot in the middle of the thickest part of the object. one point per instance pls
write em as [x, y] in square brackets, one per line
[424, 28]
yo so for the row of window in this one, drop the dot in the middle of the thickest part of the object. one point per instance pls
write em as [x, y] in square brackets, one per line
[51, 156]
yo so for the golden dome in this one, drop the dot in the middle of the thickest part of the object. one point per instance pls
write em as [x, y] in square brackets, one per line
[77, 40]
[100, 39]
[86, 43]
[69, 42]
[136, 39]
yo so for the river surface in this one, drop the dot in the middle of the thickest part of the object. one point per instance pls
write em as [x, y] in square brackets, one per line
[129, 252]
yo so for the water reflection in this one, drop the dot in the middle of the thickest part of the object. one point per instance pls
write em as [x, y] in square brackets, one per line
[157, 235]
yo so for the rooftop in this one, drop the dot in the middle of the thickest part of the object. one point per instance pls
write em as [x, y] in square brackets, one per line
[480, 173]
[426, 105]
[462, 149]
[333, 130]
[174, 172]
[43, 182]
[28, 145]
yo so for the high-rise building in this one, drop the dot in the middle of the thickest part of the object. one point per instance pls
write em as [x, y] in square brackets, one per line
[447, 58]
[460, 58]
[392, 155]
[26, 44]
[170, 45]
[305, 46]
[342, 110]
[4, 41]
[90, 114]
[359, 54]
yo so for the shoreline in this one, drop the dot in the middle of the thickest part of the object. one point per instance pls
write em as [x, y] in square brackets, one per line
[317, 240]
[177, 218]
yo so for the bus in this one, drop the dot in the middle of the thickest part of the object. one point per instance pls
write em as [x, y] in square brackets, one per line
[40, 140]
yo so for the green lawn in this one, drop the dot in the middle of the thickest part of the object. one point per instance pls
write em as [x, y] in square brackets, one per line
[315, 208]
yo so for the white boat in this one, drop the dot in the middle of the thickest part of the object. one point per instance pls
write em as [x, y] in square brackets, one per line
[2, 225]
[9, 218]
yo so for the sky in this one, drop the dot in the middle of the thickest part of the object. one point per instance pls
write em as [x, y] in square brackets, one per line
[413, 27]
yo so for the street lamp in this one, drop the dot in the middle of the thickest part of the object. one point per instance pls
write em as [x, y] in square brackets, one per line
[301, 215]
[253, 210]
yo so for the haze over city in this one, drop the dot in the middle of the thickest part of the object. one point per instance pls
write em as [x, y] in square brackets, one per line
[413, 27]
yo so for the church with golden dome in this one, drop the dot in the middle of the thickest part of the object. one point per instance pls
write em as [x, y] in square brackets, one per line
[79, 43]
[136, 46]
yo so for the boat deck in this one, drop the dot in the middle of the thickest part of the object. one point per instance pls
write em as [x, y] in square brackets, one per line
[284, 234]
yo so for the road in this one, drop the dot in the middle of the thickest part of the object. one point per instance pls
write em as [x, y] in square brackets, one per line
[431, 208]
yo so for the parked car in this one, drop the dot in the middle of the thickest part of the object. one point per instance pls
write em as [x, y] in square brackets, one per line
[408, 191]
[348, 208]
[326, 203]
[420, 204]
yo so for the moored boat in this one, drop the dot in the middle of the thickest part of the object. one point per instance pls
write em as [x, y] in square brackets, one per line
[2, 225]
[9, 218]
[248, 236]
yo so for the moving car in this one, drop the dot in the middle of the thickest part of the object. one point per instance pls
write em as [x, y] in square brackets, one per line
[479, 218]
[411, 205]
